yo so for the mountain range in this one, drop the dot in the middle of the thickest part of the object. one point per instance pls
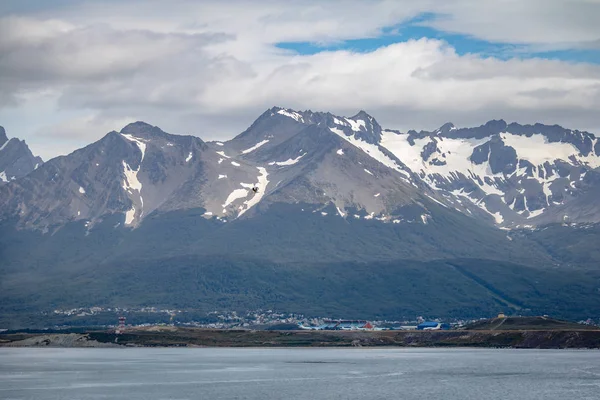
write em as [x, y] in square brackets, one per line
[348, 219]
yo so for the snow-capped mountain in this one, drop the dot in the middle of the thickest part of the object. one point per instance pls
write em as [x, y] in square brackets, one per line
[16, 160]
[132, 173]
[318, 160]
[507, 174]
[523, 175]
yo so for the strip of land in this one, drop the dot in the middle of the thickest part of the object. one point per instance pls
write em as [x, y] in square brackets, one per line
[194, 337]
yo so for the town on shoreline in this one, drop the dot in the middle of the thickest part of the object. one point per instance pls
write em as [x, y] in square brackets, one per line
[498, 332]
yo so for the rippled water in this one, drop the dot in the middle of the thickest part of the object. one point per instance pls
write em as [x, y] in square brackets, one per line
[152, 373]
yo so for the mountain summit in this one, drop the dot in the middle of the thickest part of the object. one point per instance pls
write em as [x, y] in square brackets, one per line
[16, 160]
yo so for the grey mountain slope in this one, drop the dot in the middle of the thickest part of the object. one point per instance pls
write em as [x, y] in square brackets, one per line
[330, 171]
[16, 159]
[105, 178]
[182, 260]
[319, 166]
[270, 128]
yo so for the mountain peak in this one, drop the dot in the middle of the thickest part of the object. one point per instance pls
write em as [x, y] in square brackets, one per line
[137, 127]
[3, 137]
[366, 127]
[447, 127]
[362, 114]
[496, 125]
[16, 159]
[144, 130]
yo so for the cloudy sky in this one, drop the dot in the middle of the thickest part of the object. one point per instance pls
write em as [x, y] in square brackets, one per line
[73, 70]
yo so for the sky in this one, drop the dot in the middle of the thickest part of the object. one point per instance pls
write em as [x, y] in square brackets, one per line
[73, 70]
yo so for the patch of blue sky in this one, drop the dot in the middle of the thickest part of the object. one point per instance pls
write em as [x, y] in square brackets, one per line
[463, 44]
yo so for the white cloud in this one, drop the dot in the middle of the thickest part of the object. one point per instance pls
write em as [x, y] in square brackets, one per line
[553, 23]
[73, 133]
[209, 68]
[270, 21]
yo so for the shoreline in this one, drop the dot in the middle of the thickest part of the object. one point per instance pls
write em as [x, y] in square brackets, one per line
[203, 338]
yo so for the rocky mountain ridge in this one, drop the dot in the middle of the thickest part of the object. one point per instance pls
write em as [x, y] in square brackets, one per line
[510, 175]
[16, 160]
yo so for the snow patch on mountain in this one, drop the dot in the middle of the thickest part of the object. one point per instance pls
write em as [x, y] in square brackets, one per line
[129, 215]
[236, 194]
[3, 176]
[262, 187]
[340, 152]
[455, 157]
[222, 176]
[81, 190]
[373, 150]
[256, 146]
[339, 122]
[356, 125]
[498, 217]
[130, 183]
[292, 114]
[189, 157]
[437, 201]
[530, 149]
[141, 145]
[535, 213]
[222, 154]
[290, 161]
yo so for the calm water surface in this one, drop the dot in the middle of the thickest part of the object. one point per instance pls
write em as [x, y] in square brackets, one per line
[298, 373]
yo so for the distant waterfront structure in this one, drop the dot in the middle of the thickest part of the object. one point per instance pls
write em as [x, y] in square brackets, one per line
[432, 326]
[341, 325]
[121, 328]
[501, 315]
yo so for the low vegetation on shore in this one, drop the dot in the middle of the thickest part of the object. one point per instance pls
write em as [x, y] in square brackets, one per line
[192, 337]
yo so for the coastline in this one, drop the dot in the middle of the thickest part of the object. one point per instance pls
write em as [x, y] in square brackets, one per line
[208, 338]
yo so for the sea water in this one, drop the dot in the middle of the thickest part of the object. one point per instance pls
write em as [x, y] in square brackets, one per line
[260, 373]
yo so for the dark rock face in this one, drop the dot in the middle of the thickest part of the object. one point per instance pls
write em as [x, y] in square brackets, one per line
[429, 149]
[481, 153]
[502, 158]
[16, 160]
[3, 137]
[370, 132]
